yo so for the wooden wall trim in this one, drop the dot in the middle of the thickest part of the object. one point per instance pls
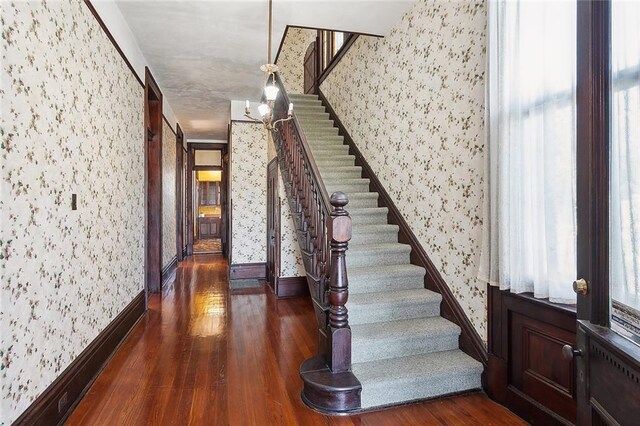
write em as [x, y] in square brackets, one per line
[169, 270]
[248, 271]
[180, 193]
[119, 50]
[208, 146]
[49, 408]
[470, 341]
[166, 120]
[292, 287]
[113, 40]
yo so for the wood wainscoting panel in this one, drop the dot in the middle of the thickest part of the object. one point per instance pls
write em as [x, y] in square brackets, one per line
[241, 271]
[537, 367]
[292, 287]
[526, 369]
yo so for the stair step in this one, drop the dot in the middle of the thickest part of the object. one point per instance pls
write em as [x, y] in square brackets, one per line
[368, 215]
[348, 172]
[326, 139]
[346, 185]
[373, 234]
[324, 131]
[309, 115]
[327, 149]
[396, 305]
[373, 279]
[361, 200]
[396, 380]
[342, 160]
[378, 254]
[293, 96]
[402, 338]
[308, 106]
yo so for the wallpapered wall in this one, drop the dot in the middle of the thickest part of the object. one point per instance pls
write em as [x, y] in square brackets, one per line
[291, 58]
[72, 116]
[248, 193]
[291, 264]
[414, 104]
[168, 194]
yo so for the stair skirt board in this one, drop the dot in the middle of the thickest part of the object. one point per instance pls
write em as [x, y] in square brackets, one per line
[402, 349]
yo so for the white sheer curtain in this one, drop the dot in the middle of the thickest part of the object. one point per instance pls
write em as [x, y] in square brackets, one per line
[529, 212]
[625, 154]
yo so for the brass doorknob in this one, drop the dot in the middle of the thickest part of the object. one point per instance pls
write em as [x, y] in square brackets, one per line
[581, 287]
[569, 353]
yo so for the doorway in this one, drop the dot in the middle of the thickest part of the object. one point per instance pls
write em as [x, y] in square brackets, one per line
[153, 183]
[206, 194]
[208, 221]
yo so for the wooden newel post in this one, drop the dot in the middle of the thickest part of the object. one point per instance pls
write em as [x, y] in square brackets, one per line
[339, 333]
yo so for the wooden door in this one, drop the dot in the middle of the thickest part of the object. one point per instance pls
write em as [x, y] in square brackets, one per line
[310, 69]
[608, 364]
[273, 225]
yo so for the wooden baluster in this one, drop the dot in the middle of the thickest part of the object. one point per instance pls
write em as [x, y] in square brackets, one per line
[339, 332]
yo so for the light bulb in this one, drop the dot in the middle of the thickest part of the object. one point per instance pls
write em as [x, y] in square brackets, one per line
[264, 109]
[271, 92]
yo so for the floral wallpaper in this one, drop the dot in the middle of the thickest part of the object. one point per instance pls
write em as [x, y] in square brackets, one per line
[291, 264]
[248, 193]
[413, 102]
[71, 123]
[168, 194]
[291, 58]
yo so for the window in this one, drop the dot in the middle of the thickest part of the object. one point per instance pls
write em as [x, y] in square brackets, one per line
[624, 229]
[530, 214]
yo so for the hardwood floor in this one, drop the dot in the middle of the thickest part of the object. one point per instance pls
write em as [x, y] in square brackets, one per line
[205, 356]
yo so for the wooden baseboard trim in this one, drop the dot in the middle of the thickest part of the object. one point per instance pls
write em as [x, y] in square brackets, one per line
[62, 396]
[169, 270]
[292, 287]
[470, 341]
[241, 271]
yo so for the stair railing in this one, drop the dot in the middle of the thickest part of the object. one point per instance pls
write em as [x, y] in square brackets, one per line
[324, 229]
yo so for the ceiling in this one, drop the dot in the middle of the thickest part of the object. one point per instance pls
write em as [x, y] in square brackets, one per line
[206, 53]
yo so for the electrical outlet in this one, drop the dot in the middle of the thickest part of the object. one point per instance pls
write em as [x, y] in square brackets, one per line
[62, 402]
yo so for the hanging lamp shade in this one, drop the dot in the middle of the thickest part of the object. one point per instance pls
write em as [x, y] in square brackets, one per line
[264, 109]
[271, 92]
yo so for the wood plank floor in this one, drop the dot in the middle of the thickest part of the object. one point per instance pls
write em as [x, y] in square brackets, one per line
[205, 356]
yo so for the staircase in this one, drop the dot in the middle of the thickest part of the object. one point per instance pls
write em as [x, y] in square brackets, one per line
[402, 349]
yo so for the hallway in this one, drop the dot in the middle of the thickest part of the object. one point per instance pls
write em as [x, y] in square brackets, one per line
[204, 356]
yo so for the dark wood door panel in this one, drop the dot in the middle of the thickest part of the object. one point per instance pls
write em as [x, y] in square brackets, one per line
[537, 367]
[527, 371]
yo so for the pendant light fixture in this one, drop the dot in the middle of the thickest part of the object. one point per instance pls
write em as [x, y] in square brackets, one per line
[265, 109]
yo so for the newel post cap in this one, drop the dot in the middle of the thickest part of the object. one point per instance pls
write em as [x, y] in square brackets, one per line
[339, 200]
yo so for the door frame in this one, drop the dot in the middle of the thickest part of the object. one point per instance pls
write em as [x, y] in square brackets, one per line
[607, 364]
[153, 183]
[179, 193]
[273, 224]
[192, 147]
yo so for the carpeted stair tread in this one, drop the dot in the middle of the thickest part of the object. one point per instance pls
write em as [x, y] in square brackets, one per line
[394, 305]
[413, 296]
[402, 338]
[395, 380]
[390, 271]
[430, 327]
[378, 254]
